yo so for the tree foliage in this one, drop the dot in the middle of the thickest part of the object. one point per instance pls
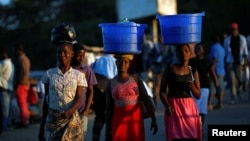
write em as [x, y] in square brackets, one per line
[30, 22]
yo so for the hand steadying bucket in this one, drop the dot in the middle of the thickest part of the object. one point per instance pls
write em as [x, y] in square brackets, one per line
[181, 28]
[124, 37]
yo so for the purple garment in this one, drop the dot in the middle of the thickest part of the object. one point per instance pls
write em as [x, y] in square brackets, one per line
[91, 80]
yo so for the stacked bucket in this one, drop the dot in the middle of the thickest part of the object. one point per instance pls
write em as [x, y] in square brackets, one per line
[127, 37]
[181, 28]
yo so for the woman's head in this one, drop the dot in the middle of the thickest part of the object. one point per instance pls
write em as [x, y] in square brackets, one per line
[183, 52]
[123, 61]
[199, 49]
[64, 53]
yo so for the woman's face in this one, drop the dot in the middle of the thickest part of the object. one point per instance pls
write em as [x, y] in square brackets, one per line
[64, 54]
[122, 64]
[199, 50]
[183, 53]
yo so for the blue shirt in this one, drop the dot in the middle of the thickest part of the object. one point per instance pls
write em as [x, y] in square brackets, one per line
[217, 52]
[105, 66]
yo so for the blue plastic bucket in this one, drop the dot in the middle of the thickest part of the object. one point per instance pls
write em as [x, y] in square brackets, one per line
[123, 37]
[181, 28]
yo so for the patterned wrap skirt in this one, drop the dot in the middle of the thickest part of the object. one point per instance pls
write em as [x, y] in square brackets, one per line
[60, 129]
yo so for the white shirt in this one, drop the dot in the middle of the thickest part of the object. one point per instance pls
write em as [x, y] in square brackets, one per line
[6, 74]
[228, 51]
[62, 87]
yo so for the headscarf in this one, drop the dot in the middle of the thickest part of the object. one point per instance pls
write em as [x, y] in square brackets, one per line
[129, 56]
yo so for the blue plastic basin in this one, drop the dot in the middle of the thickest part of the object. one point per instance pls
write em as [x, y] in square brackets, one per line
[124, 37]
[181, 28]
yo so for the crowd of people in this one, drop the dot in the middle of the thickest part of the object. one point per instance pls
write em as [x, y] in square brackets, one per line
[14, 88]
[112, 86]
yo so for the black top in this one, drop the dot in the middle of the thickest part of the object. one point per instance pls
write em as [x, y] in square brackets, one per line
[177, 84]
[203, 67]
[235, 47]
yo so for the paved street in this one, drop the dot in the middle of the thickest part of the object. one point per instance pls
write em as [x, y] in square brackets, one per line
[230, 114]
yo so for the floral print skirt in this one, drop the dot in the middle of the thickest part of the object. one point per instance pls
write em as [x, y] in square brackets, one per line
[60, 129]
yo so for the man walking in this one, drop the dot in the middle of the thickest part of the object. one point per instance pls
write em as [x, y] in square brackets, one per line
[236, 59]
[21, 82]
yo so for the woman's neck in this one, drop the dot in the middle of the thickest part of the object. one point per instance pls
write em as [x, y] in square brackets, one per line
[123, 74]
[183, 64]
[182, 68]
[123, 77]
[64, 68]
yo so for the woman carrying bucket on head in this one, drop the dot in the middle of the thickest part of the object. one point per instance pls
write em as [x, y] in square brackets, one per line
[179, 80]
[124, 118]
[181, 117]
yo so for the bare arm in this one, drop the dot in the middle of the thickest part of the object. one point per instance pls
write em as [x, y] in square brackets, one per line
[164, 92]
[76, 103]
[213, 75]
[195, 86]
[245, 64]
[89, 99]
